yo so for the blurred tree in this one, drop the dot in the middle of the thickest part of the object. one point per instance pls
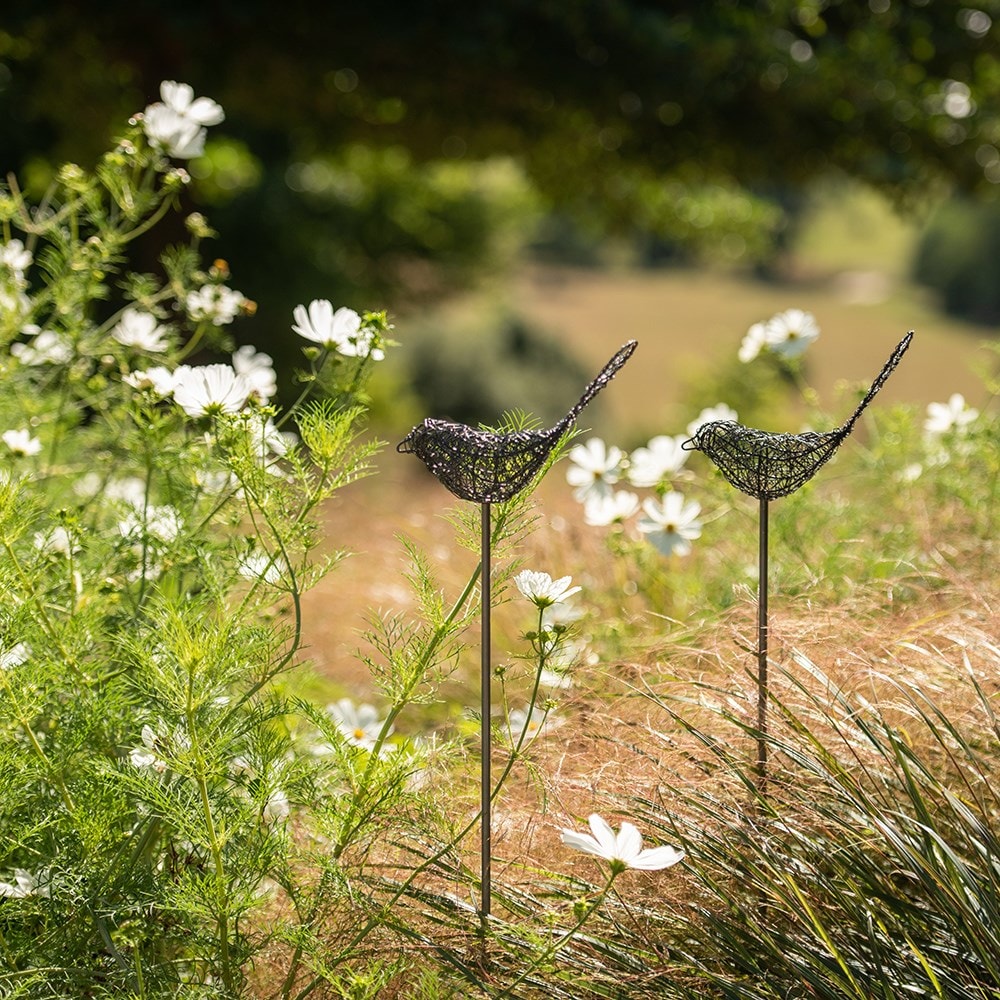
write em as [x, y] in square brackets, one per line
[384, 151]
[594, 95]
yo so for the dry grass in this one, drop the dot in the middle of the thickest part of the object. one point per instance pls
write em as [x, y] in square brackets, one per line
[615, 742]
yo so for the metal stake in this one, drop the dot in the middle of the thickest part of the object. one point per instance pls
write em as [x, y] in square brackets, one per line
[486, 781]
[762, 649]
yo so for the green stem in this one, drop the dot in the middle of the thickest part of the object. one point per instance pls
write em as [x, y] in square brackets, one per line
[54, 775]
[401, 702]
[557, 945]
[220, 904]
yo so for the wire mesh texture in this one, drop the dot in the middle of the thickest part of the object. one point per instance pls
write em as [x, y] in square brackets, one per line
[490, 467]
[768, 465]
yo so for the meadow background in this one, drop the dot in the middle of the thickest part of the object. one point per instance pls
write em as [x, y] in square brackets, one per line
[523, 188]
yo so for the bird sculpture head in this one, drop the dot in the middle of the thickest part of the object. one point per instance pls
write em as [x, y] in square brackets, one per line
[769, 465]
[490, 467]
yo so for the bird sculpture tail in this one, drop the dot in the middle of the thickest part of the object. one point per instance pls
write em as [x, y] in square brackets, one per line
[606, 374]
[887, 369]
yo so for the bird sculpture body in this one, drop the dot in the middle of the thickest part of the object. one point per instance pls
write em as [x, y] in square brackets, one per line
[489, 467]
[769, 465]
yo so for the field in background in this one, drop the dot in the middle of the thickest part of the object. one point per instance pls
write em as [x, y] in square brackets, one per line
[849, 270]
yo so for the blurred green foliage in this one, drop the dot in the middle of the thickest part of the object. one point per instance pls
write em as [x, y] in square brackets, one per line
[476, 370]
[958, 257]
[396, 153]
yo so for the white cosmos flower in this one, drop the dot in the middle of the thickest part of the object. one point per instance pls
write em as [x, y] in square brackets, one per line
[623, 849]
[131, 491]
[208, 389]
[600, 511]
[671, 524]
[258, 369]
[542, 590]
[753, 342]
[340, 331]
[519, 721]
[358, 724]
[554, 679]
[25, 884]
[157, 379]
[161, 522]
[46, 348]
[594, 469]
[145, 756]
[260, 566]
[177, 123]
[662, 457]
[179, 97]
[140, 329]
[15, 257]
[790, 333]
[955, 415]
[176, 135]
[268, 440]
[216, 303]
[277, 808]
[56, 540]
[709, 415]
[14, 656]
[20, 442]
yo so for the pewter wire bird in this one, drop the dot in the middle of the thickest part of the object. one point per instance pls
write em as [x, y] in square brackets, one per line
[489, 467]
[769, 465]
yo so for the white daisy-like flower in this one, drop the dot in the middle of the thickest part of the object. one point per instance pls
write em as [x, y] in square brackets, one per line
[542, 590]
[358, 724]
[790, 333]
[671, 524]
[623, 849]
[177, 122]
[14, 656]
[600, 511]
[140, 330]
[15, 257]
[179, 97]
[20, 442]
[130, 491]
[529, 724]
[157, 379]
[177, 136]
[25, 884]
[258, 369]
[561, 614]
[753, 342]
[161, 522]
[260, 566]
[45, 348]
[57, 540]
[710, 415]
[340, 331]
[662, 457]
[594, 469]
[216, 303]
[210, 389]
[145, 756]
[955, 415]
[269, 442]
[554, 679]
[277, 808]
[361, 345]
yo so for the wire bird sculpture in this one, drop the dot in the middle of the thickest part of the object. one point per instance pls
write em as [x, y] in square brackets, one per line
[767, 465]
[489, 467]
